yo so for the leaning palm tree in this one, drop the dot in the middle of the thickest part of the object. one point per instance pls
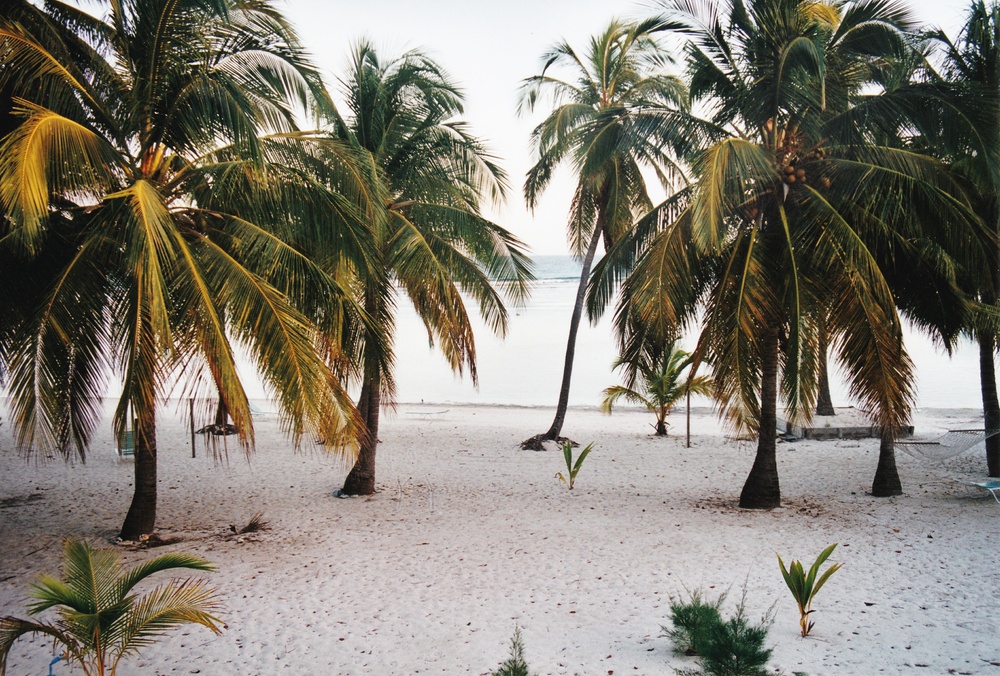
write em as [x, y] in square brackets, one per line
[101, 620]
[154, 205]
[616, 114]
[431, 241]
[783, 213]
[654, 379]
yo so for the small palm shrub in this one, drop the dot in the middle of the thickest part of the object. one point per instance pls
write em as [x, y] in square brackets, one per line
[100, 620]
[572, 468]
[654, 373]
[804, 586]
[515, 665]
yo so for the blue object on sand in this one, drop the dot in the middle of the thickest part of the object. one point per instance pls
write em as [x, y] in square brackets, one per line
[991, 485]
[126, 448]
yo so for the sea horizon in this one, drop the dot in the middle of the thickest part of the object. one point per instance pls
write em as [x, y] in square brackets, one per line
[525, 368]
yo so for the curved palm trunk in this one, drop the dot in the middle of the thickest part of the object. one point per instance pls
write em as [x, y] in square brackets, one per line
[762, 490]
[361, 479]
[886, 482]
[574, 327]
[141, 517]
[991, 403]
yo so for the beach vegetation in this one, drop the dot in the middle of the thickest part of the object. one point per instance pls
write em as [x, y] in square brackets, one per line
[805, 585]
[615, 111]
[788, 204]
[515, 664]
[431, 176]
[101, 620]
[256, 524]
[692, 622]
[654, 373]
[156, 205]
[572, 466]
[723, 647]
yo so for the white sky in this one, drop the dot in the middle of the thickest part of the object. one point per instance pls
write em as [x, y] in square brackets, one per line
[489, 47]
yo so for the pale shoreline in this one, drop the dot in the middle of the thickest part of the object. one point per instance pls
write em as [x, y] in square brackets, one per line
[471, 536]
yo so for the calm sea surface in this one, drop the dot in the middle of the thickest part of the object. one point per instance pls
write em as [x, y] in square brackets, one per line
[525, 368]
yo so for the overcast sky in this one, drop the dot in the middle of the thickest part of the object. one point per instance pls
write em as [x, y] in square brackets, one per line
[489, 47]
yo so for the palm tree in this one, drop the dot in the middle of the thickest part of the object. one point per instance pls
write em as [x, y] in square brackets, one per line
[431, 241]
[783, 213]
[153, 198]
[616, 114]
[101, 621]
[659, 367]
[972, 63]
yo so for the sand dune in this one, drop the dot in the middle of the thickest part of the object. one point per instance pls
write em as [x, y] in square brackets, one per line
[471, 537]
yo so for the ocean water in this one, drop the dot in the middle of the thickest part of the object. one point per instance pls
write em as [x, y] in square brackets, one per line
[525, 368]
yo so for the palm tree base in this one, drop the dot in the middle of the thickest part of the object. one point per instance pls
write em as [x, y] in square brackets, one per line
[760, 498]
[886, 483]
[537, 442]
[886, 488]
[993, 458]
[357, 484]
[762, 489]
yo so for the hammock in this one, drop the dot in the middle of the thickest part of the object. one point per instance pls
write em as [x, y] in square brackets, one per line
[949, 445]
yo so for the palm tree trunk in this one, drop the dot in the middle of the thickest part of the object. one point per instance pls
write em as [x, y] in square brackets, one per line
[361, 479]
[574, 327]
[824, 402]
[886, 482]
[762, 490]
[221, 415]
[991, 404]
[141, 517]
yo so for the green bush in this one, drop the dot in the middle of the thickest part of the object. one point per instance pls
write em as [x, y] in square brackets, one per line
[736, 647]
[515, 664]
[733, 647]
[692, 620]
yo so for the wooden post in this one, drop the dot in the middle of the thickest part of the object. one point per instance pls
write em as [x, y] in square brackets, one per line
[688, 444]
[191, 402]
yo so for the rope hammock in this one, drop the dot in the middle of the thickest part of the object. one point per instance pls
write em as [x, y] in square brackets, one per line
[949, 445]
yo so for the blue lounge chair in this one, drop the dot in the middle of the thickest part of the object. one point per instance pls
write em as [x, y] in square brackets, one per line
[126, 446]
[258, 412]
[991, 485]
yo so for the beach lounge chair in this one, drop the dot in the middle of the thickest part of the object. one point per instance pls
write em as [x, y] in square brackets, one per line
[428, 416]
[126, 446]
[991, 485]
[257, 412]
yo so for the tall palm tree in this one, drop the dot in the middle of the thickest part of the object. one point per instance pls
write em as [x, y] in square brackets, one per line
[782, 213]
[153, 198]
[431, 176]
[614, 114]
[972, 63]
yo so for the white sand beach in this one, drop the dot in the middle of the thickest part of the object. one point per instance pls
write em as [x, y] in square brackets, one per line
[471, 537]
